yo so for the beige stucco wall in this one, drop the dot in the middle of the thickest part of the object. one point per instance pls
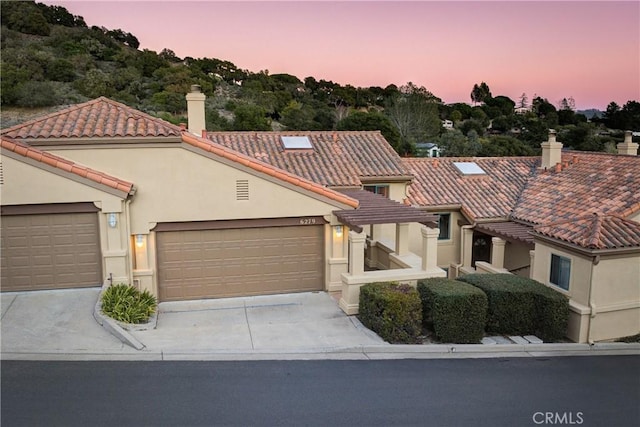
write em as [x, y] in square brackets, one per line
[605, 294]
[615, 290]
[448, 250]
[175, 184]
[26, 184]
[516, 255]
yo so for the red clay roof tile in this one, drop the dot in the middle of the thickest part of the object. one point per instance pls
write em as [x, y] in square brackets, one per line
[439, 183]
[99, 118]
[338, 159]
[595, 231]
[597, 182]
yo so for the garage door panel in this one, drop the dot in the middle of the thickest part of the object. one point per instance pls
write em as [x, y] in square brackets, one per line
[236, 262]
[50, 251]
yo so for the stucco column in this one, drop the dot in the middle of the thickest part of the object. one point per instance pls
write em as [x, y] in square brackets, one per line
[497, 252]
[402, 238]
[356, 252]
[429, 248]
[467, 245]
[532, 257]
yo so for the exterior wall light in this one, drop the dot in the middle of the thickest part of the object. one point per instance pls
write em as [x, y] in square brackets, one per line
[139, 240]
[112, 220]
[338, 231]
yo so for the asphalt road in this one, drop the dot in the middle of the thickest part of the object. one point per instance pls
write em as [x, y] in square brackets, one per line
[589, 391]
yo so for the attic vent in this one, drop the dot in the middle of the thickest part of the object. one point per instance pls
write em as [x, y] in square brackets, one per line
[296, 142]
[242, 189]
[469, 168]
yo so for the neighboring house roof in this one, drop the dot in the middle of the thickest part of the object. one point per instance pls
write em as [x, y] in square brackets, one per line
[99, 118]
[267, 169]
[438, 182]
[337, 159]
[595, 231]
[589, 182]
[28, 152]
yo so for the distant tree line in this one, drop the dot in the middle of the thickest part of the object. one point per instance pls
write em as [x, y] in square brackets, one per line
[50, 57]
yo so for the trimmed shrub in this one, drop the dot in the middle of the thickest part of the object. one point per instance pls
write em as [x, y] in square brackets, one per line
[392, 311]
[455, 311]
[127, 304]
[519, 306]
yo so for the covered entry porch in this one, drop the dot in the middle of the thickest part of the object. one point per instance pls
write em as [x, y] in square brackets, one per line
[390, 258]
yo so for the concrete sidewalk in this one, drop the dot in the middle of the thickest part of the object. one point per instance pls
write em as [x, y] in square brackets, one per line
[59, 325]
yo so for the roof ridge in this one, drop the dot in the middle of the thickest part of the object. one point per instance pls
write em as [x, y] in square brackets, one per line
[122, 107]
[593, 240]
[66, 165]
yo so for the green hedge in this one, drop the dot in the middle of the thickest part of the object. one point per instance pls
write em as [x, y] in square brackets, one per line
[521, 306]
[392, 311]
[455, 311]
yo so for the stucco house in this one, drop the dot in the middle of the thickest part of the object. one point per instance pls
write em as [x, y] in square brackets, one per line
[569, 219]
[101, 193]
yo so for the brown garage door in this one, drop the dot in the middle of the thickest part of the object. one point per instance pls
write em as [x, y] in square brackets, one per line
[236, 262]
[50, 251]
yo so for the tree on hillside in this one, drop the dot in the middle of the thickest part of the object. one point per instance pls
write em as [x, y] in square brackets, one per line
[523, 101]
[414, 112]
[371, 121]
[480, 93]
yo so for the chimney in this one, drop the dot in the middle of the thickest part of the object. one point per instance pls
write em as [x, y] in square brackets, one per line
[551, 151]
[628, 147]
[195, 110]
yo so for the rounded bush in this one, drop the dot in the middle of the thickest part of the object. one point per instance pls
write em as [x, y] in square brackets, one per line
[127, 304]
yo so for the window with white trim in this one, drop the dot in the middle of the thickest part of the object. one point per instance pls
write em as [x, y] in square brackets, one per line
[560, 271]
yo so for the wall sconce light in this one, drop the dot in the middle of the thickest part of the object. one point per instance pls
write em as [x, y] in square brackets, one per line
[112, 220]
[338, 231]
[139, 240]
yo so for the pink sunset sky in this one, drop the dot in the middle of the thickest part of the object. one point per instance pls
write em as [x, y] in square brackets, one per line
[588, 50]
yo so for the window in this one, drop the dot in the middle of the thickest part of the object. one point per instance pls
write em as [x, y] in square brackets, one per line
[444, 224]
[382, 190]
[560, 271]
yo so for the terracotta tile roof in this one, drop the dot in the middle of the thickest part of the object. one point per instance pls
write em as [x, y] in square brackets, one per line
[595, 231]
[57, 162]
[99, 118]
[589, 182]
[338, 159]
[507, 230]
[268, 169]
[439, 183]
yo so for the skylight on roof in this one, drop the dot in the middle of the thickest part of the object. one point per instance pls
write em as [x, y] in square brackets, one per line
[296, 142]
[469, 168]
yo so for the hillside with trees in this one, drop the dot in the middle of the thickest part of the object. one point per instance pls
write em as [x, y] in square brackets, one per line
[51, 59]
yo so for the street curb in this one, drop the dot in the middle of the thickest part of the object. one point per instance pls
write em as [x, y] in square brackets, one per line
[113, 326]
[370, 352]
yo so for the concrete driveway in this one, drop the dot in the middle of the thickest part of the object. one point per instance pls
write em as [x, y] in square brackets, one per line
[62, 321]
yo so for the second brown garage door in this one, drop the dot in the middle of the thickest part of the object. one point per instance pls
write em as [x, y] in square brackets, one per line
[236, 262]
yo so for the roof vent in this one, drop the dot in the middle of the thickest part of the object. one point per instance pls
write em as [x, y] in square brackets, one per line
[242, 189]
[296, 142]
[469, 168]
